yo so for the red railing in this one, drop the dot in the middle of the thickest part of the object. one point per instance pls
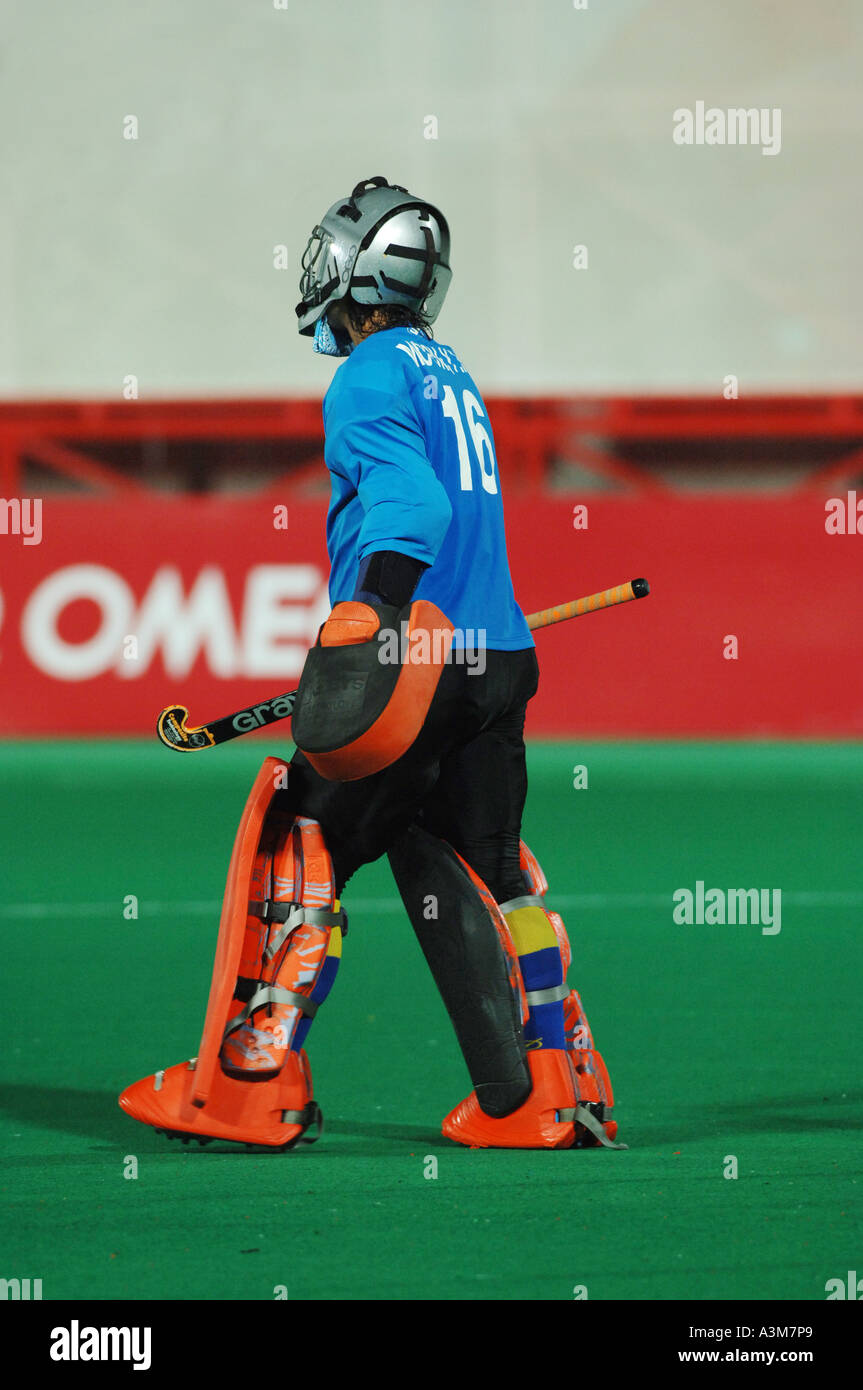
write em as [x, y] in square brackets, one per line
[532, 437]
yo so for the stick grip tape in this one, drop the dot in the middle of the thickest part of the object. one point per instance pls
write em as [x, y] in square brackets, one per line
[606, 598]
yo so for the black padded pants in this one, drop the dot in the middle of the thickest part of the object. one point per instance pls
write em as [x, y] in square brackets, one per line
[464, 779]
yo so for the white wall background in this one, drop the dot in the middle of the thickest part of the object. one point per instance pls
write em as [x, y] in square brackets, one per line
[154, 257]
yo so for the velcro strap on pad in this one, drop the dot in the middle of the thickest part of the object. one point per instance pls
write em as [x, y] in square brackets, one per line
[293, 915]
[271, 994]
[310, 1116]
[528, 900]
[270, 911]
[583, 1115]
[547, 996]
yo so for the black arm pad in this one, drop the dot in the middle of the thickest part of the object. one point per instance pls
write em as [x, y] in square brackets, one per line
[387, 576]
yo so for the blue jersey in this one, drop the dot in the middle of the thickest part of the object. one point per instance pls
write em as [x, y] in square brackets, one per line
[411, 457]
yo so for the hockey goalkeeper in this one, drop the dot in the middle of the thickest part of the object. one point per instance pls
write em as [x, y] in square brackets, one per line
[409, 725]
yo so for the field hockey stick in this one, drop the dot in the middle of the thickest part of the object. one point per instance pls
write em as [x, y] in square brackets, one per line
[606, 598]
[175, 731]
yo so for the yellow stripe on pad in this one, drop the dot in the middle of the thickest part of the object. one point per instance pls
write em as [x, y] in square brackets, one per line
[530, 930]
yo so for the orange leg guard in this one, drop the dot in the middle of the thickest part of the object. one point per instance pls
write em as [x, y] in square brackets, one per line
[278, 946]
[571, 1103]
[592, 1083]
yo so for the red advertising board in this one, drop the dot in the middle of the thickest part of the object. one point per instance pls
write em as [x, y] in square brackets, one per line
[126, 606]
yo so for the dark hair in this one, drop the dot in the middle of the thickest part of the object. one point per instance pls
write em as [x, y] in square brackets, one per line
[384, 316]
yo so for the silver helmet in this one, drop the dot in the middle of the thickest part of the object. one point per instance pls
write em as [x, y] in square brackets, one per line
[380, 245]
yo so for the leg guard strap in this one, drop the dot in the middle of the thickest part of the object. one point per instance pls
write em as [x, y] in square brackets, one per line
[528, 900]
[293, 915]
[271, 994]
[554, 995]
[311, 1115]
[584, 1115]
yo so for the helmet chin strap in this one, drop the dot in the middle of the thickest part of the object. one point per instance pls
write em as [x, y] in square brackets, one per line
[329, 342]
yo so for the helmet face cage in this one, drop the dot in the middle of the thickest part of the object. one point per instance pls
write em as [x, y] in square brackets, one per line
[314, 261]
[383, 247]
[322, 279]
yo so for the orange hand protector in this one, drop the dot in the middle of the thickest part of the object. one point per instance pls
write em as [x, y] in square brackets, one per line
[348, 624]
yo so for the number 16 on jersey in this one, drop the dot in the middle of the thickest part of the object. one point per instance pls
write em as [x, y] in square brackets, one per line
[473, 413]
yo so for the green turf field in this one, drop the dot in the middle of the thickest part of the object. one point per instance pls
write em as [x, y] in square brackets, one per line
[721, 1041]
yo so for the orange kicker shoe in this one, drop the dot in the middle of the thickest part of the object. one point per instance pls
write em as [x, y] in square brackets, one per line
[564, 1110]
[275, 1113]
[535, 1124]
